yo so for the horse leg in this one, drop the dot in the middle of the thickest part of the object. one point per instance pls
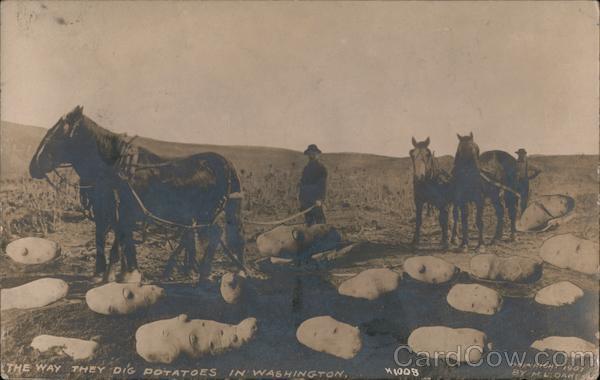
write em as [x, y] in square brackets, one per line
[443, 219]
[479, 221]
[454, 224]
[189, 243]
[495, 198]
[172, 261]
[213, 235]
[234, 230]
[418, 221]
[100, 270]
[115, 253]
[464, 216]
[125, 236]
[510, 200]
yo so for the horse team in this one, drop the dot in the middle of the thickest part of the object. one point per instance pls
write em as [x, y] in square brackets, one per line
[474, 178]
[122, 185]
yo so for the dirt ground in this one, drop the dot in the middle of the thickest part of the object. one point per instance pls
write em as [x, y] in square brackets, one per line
[284, 297]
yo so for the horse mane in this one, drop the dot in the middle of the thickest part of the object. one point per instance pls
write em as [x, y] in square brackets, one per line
[105, 139]
[109, 144]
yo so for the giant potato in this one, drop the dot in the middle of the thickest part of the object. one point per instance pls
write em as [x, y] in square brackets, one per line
[77, 349]
[325, 334]
[32, 250]
[513, 268]
[232, 287]
[570, 252]
[165, 340]
[462, 344]
[37, 293]
[545, 208]
[558, 294]
[568, 344]
[429, 269]
[117, 298]
[370, 284]
[291, 240]
[474, 298]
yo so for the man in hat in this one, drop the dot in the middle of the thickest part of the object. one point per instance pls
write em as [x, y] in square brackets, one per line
[313, 187]
[525, 172]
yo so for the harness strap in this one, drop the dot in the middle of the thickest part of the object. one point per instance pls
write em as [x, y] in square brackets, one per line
[282, 221]
[165, 221]
[126, 163]
[125, 168]
[65, 180]
[497, 184]
[50, 182]
[87, 208]
[545, 209]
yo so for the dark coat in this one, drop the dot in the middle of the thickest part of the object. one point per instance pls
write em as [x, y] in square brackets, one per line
[313, 185]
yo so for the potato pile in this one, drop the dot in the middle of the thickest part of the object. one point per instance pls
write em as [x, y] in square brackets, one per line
[370, 284]
[163, 341]
[544, 209]
[474, 298]
[570, 252]
[429, 269]
[325, 334]
[559, 294]
[75, 348]
[513, 268]
[32, 250]
[117, 298]
[37, 293]
[465, 344]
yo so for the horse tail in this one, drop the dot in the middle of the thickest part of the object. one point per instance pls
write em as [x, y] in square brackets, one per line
[234, 230]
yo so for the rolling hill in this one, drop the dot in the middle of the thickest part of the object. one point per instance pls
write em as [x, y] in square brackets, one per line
[17, 145]
[270, 175]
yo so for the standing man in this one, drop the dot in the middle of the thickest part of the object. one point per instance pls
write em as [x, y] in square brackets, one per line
[313, 187]
[523, 176]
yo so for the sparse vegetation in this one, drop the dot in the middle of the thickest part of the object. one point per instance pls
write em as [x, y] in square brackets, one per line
[30, 207]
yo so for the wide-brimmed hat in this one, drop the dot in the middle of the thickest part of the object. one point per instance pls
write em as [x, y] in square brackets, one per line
[521, 151]
[312, 148]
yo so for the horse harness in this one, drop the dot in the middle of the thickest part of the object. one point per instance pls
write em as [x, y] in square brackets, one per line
[125, 168]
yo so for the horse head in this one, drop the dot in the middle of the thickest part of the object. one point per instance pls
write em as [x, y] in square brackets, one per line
[422, 160]
[467, 151]
[56, 147]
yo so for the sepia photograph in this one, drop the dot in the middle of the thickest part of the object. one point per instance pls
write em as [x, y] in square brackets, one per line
[299, 189]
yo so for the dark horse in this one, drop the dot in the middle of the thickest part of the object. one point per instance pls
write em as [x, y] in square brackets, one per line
[468, 186]
[432, 186]
[478, 177]
[131, 184]
[501, 167]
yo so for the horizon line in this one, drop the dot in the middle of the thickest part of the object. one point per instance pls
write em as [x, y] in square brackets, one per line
[300, 151]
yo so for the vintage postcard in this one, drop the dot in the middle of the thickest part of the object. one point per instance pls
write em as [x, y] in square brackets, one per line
[208, 189]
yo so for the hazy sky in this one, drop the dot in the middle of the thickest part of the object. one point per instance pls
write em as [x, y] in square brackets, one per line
[354, 76]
